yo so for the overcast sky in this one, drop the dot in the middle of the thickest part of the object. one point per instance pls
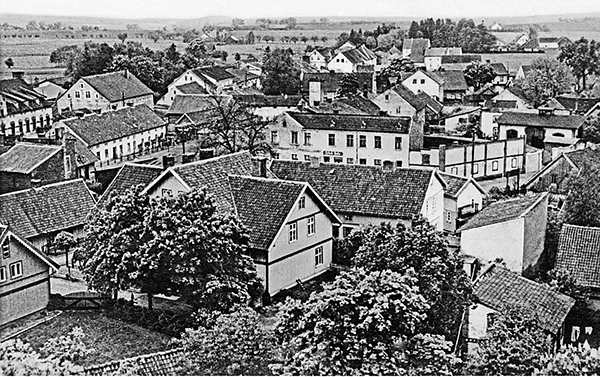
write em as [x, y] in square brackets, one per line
[297, 8]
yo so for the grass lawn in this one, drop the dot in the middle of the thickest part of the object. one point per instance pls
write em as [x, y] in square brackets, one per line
[111, 339]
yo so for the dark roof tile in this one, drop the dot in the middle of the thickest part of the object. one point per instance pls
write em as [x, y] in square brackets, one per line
[537, 120]
[504, 210]
[116, 86]
[191, 88]
[25, 157]
[344, 122]
[129, 175]
[579, 253]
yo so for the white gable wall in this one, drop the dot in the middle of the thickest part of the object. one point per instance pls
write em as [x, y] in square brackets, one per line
[419, 81]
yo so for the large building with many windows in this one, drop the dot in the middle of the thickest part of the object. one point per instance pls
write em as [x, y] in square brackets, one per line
[22, 110]
[345, 139]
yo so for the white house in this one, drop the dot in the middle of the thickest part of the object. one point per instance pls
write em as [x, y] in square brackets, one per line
[448, 87]
[290, 226]
[513, 230]
[433, 56]
[510, 98]
[348, 61]
[463, 197]
[548, 43]
[106, 91]
[114, 134]
[52, 88]
[319, 57]
[363, 195]
[22, 110]
[212, 80]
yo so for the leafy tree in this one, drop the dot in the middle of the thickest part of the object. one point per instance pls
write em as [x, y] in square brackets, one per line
[547, 79]
[583, 58]
[438, 270]
[9, 63]
[591, 129]
[93, 59]
[573, 361]
[250, 38]
[514, 345]
[314, 38]
[122, 37]
[58, 356]
[237, 57]
[280, 74]
[582, 206]
[354, 326]
[32, 25]
[63, 54]
[65, 241]
[413, 30]
[477, 74]
[397, 67]
[237, 22]
[349, 85]
[144, 68]
[304, 39]
[154, 35]
[236, 344]
[428, 355]
[324, 39]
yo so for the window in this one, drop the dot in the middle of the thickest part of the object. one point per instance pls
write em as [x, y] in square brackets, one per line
[332, 139]
[16, 270]
[554, 178]
[414, 81]
[338, 160]
[377, 140]
[82, 85]
[377, 162]
[362, 161]
[293, 231]
[346, 231]
[294, 157]
[362, 141]
[398, 142]
[426, 159]
[307, 138]
[494, 165]
[306, 157]
[106, 153]
[398, 164]
[422, 81]
[475, 168]
[347, 217]
[387, 97]
[454, 171]
[311, 225]
[68, 163]
[88, 94]
[398, 109]
[6, 248]
[433, 204]
[167, 193]
[350, 161]
[448, 216]
[274, 137]
[77, 94]
[302, 202]
[294, 137]
[3, 276]
[326, 159]
[349, 141]
[513, 162]
[319, 256]
[97, 96]
[276, 156]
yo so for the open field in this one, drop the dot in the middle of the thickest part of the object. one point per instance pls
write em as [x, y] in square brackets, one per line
[111, 339]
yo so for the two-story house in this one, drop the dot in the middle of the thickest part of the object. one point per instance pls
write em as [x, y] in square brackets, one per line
[290, 226]
[24, 277]
[212, 79]
[415, 49]
[319, 57]
[349, 61]
[501, 78]
[363, 195]
[106, 91]
[463, 197]
[433, 56]
[114, 134]
[448, 87]
[324, 86]
[344, 139]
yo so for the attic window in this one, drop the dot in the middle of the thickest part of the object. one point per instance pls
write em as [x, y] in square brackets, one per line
[558, 134]
[6, 248]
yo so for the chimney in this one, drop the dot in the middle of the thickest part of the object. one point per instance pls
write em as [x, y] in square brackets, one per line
[315, 94]
[262, 166]
[315, 161]
[168, 161]
[18, 75]
[205, 154]
[187, 157]
[442, 157]
[70, 156]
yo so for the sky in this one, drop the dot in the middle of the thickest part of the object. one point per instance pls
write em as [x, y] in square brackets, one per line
[188, 9]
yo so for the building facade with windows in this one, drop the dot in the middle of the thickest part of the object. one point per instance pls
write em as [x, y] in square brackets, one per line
[463, 198]
[106, 91]
[211, 80]
[344, 139]
[291, 228]
[24, 277]
[22, 110]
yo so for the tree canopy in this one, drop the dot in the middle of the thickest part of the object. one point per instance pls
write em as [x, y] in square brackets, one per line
[547, 79]
[582, 57]
[280, 74]
[582, 206]
[478, 74]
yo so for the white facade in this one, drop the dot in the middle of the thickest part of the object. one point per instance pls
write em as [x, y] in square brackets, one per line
[340, 63]
[50, 90]
[317, 60]
[393, 104]
[212, 86]
[420, 81]
[25, 122]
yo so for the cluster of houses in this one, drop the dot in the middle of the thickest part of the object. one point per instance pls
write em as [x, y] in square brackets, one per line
[389, 153]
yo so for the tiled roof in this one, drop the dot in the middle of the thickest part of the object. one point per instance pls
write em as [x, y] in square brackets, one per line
[537, 120]
[501, 211]
[111, 125]
[413, 99]
[212, 174]
[84, 156]
[460, 59]
[417, 47]
[441, 51]
[241, 75]
[261, 100]
[548, 39]
[25, 157]
[453, 80]
[434, 105]
[263, 205]
[579, 253]
[163, 363]
[579, 105]
[499, 69]
[498, 288]
[128, 176]
[215, 72]
[339, 122]
[190, 103]
[191, 88]
[453, 183]
[46, 209]
[354, 56]
[360, 189]
[116, 86]
[352, 105]
[330, 81]
[583, 156]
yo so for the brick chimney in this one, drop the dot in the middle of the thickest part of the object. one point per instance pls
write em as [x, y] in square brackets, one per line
[260, 166]
[70, 156]
[168, 161]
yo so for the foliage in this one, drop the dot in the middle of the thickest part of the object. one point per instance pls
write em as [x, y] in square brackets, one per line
[63, 54]
[514, 345]
[547, 79]
[236, 344]
[478, 74]
[443, 33]
[438, 270]
[573, 361]
[397, 67]
[582, 206]
[280, 74]
[353, 326]
[122, 37]
[561, 280]
[345, 248]
[428, 355]
[64, 241]
[58, 356]
[582, 57]
[591, 129]
[349, 85]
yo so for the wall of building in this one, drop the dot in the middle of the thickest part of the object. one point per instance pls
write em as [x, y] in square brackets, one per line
[168, 186]
[341, 64]
[393, 104]
[501, 240]
[425, 84]
[51, 171]
[433, 62]
[42, 117]
[352, 221]
[535, 235]
[477, 325]
[317, 60]
[16, 299]
[554, 175]
[433, 207]
[488, 123]
[450, 214]
[50, 90]
[127, 145]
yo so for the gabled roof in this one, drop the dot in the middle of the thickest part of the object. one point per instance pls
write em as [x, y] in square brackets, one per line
[498, 288]
[579, 105]
[452, 80]
[364, 190]
[344, 122]
[417, 47]
[431, 102]
[579, 253]
[456, 184]
[409, 96]
[94, 129]
[460, 59]
[163, 363]
[46, 209]
[504, 210]
[499, 69]
[576, 159]
[537, 120]
[6, 232]
[23, 158]
[262, 100]
[214, 72]
[548, 39]
[116, 86]
[350, 105]
[355, 56]
[129, 175]
[191, 88]
[190, 103]
[84, 156]
[330, 81]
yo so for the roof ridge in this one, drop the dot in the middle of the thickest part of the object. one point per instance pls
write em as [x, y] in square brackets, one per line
[202, 162]
[70, 181]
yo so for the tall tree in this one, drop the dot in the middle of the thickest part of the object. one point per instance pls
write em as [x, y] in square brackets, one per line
[122, 37]
[547, 79]
[280, 74]
[582, 206]
[9, 62]
[349, 85]
[583, 58]
[477, 74]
